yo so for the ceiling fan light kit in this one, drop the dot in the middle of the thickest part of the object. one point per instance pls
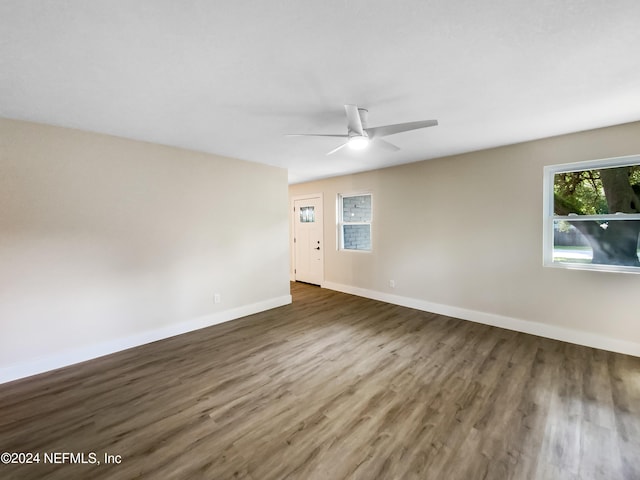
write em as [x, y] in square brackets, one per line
[359, 136]
[358, 142]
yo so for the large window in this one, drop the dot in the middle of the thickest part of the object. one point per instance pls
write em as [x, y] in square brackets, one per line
[354, 222]
[592, 215]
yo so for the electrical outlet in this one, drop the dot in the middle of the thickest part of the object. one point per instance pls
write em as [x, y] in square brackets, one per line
[216, 298]
[392, 283]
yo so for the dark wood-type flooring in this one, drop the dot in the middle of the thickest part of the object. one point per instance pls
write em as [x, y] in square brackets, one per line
[335, 387]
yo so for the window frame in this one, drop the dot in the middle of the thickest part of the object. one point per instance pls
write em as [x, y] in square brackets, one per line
[549, 216]
[341, 223]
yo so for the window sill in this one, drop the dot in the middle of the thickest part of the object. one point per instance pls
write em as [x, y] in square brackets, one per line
[594, 268]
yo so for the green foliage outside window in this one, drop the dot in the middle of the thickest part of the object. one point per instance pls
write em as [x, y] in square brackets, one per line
[603, 191]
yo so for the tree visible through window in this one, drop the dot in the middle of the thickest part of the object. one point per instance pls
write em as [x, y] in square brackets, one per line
[596, 213]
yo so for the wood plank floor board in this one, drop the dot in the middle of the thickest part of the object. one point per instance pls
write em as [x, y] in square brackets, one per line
[335, 386]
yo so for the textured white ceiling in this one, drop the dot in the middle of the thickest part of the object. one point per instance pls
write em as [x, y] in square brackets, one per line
[231, 77]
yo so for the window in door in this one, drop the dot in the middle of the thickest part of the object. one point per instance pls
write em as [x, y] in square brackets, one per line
[307, 215]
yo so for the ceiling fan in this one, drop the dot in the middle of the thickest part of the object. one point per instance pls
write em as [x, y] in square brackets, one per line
[359, 135]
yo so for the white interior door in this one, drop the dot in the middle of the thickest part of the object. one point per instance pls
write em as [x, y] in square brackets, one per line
[308, 240]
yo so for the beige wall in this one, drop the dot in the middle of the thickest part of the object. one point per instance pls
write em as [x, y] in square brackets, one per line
[466, 232]
[103, 238]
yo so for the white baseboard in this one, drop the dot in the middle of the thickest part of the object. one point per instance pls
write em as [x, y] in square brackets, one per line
[525, 326]
[82, 354]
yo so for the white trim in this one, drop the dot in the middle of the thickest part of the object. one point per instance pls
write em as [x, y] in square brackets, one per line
[595, 267]
[591, 164]
[82, 354]
[547, 218]
[603, 217]
[525, 326]
[305, 196]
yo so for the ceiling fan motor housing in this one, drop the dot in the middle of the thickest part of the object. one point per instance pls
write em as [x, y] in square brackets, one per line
[363, 114]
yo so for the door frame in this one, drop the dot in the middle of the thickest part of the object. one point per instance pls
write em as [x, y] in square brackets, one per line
[292, 232]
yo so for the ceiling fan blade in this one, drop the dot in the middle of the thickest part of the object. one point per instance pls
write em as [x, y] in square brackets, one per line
[353, 119]
[337, 148]
[378, 142]
[377, 132]
[315, 135]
